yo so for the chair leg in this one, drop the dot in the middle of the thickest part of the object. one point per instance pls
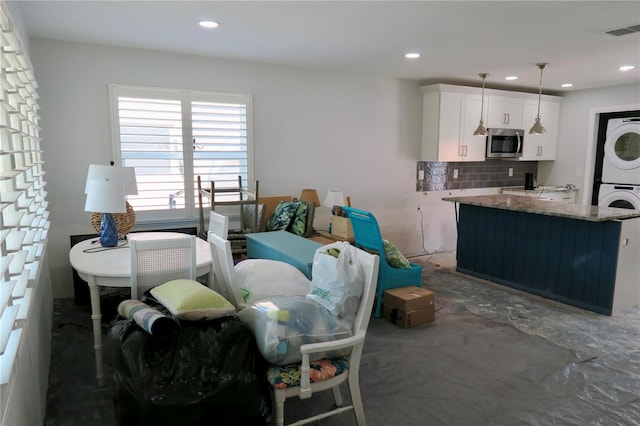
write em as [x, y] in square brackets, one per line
[337, 395]
[279, 398]
[356, 399]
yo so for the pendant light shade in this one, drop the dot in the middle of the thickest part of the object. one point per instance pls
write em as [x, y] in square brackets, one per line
[481, 130]
[538, 128]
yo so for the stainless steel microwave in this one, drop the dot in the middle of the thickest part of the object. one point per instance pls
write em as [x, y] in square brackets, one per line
[504, 143]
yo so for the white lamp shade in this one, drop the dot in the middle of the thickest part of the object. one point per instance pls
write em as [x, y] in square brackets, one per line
[126, 175]
[333, 198]
[105, 196]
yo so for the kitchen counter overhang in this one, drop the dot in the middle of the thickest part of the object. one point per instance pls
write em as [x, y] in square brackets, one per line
[519, 203]
[585, 256]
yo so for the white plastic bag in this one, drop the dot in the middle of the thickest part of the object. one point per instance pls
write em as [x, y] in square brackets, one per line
[337, 282]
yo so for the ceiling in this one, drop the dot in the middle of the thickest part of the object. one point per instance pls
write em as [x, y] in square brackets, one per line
[457, 39]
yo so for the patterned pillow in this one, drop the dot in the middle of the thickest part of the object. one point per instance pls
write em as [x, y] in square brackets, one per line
[394, 257]
[299, 222]
[282, 216]
[287, 376]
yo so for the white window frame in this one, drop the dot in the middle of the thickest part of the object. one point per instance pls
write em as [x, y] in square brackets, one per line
[186, 97]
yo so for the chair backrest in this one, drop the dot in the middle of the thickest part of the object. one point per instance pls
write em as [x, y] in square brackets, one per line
[224, 270]
[154, 262]
[219, 224]
[366, 231]
[369, 264]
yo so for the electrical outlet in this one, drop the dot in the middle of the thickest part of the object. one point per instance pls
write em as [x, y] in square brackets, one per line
[420, 174]
[510, 171]
[455, 173]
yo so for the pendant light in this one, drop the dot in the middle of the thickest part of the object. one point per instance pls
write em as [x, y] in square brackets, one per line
[538, 128]
[481, 130]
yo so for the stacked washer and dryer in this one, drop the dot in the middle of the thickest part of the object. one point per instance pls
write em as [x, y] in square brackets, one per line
[620, 185]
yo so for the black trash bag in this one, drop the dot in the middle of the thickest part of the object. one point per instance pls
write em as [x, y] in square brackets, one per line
[210, 373]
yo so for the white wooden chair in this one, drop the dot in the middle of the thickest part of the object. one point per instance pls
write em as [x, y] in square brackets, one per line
[224, 270]
[219, 224]
[347, 368]
[154, 262]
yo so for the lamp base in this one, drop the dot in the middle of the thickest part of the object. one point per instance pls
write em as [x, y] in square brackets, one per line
[108, 232]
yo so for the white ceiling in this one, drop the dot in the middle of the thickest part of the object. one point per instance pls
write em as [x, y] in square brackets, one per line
[457, 39]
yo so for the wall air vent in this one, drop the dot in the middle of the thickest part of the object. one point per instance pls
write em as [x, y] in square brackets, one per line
[627, 30]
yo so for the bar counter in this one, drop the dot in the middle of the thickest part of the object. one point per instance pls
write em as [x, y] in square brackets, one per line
[585, 256]
[521, 203]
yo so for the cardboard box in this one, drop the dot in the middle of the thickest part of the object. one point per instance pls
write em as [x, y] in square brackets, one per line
[341, 227]
[408, 298]
[408, 306]
[408, 319]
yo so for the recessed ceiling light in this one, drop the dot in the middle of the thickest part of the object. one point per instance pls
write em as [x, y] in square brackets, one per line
[626, 68]
[567, 85]
[511, 77]
[412, 55]
[208, 24]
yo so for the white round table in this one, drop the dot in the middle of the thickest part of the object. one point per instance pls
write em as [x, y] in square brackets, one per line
[111, 267]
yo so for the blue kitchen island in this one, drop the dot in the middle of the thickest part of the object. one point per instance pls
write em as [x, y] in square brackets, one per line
[585, 256]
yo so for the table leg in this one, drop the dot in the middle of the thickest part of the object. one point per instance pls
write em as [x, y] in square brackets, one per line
[96, 318]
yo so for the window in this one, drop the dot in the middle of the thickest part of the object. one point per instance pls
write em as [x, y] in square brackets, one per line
[173, 136]
[24, 218]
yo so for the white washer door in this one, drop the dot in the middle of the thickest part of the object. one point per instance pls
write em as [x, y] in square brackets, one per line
[620, 199]
[622, 147]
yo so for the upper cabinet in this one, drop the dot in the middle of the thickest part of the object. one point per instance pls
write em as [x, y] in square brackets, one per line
[504, 112]
[475, 146]
[445, 128]
[540, 147]
[452, 113]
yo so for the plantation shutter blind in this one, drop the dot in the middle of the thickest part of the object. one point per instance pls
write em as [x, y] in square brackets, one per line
[151, 141]
[171, 137]
[220, 144]
[24, 218]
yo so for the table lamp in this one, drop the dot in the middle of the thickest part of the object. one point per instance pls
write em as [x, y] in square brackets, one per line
[333, 198]
[111, 181]
[106, 196]
[310, 196]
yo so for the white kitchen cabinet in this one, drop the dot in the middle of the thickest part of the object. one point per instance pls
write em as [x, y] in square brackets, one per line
[451, 114]
[449, 119]
[543, 146]
[504, 112]
[474, 146]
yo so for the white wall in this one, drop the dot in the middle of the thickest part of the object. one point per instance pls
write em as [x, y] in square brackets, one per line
[576, 149]
[312, 129]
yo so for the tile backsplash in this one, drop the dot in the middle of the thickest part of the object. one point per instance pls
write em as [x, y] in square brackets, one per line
[439, 176]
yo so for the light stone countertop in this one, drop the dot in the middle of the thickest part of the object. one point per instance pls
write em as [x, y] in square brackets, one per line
[522, 203]
[540, 189]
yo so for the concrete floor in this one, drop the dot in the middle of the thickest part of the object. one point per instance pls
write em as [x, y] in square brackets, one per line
[494, 356]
